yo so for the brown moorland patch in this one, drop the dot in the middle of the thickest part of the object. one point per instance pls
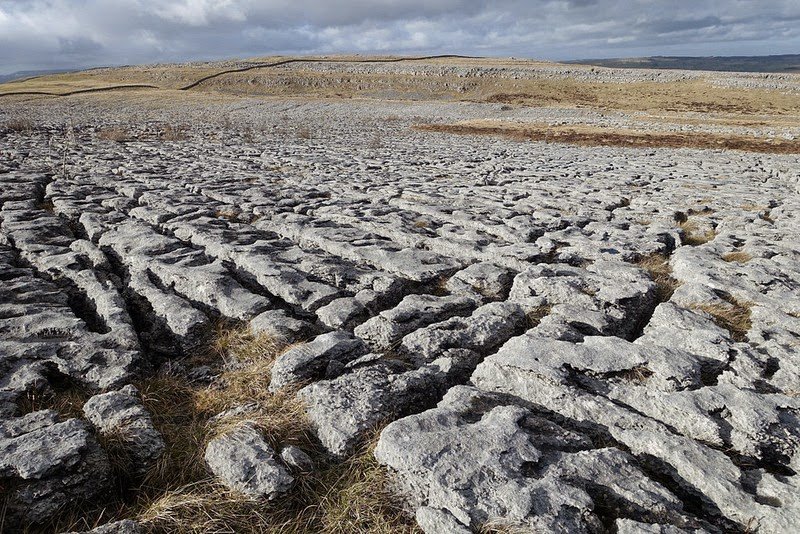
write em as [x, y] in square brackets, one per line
[596, 136]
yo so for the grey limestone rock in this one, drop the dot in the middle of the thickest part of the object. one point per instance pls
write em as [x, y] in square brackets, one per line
[121, 414]
[540, 372]
[311, 360]
[343, 410]
[629, 526]
[474, 453]
[439, 521]
[487, 327]
[49, 465]
[484, 279]
[343, 312]
[279, 324]
[413, 312]
[607, 297]
[296, 458]
[244, 461]
[530, 271]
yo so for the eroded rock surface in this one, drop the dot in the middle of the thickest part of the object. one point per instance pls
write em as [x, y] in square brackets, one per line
[244, 462]
[46, 464]
[559, 338]
[120, 415]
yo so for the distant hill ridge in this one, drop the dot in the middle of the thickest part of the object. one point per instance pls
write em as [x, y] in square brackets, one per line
[786, 63]
[23, 74]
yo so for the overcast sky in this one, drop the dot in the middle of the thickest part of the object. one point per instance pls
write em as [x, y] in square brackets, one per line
[50, 34]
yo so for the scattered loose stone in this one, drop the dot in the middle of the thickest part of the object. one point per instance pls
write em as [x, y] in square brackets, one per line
[296, 458]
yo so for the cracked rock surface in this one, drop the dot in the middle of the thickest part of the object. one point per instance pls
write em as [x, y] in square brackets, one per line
[559, 338]
[244, 462]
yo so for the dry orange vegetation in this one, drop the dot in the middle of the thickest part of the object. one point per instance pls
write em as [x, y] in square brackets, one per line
[597, 136]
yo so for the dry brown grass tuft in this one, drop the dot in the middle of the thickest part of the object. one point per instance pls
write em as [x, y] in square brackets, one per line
[377, 142]
[123, 466]
[230, 215]
[536, 315]
[439, 286]
[239, 343]
[703, 211]
[692, 234]
[351, 496]
[46, 205]
[588, 290]
[638, 374]
[733, 315]
[657, 266]
[173, 133]
[115, 134]
[67, 402]
[737, 256]
[750, 206]
[20, 125]
[593, 136]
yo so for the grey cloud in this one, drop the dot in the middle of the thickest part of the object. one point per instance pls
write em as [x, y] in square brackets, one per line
[676, 25]
[73, 33]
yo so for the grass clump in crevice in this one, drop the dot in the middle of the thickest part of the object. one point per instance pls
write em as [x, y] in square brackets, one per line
[115, 134]
[658, 267]
[20, 125]
[117, 445]
[173, 133]
[535, 316]
[46, 205]
[731, 314]
[64, 395]
[638, 374]
[693, 235]
[228, 214]
[737, 256]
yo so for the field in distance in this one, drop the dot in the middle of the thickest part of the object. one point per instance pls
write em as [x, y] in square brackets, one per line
[675, 103]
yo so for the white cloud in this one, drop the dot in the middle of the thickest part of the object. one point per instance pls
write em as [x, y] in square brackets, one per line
[201, 12]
